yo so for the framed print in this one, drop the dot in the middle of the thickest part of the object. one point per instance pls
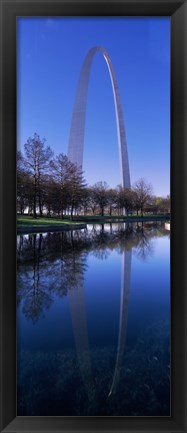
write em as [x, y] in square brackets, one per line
[93, 251]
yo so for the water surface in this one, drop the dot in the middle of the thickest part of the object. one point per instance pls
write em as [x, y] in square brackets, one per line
[93, 322]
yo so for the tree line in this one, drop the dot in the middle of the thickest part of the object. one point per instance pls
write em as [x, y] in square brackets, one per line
[53, 185]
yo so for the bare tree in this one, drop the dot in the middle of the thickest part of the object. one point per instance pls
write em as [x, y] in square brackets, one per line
[61, 169]
[125, 199]
[21, 180]
[37, 159]
[143, 191]
[92, 203]
[112, 199]
[100, 195]
[75, 187]
[86, 200]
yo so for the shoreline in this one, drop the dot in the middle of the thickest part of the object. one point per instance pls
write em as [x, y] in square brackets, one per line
[82, 225]
[50, 228]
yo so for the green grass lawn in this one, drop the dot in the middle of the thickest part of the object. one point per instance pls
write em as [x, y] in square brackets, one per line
[28, 221]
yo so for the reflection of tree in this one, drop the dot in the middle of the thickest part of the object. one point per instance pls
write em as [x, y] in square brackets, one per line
[68, 273]
[35, 303]
[101, 254]
[31, 285]
[40, 277]
[55, 263]
[144, 247]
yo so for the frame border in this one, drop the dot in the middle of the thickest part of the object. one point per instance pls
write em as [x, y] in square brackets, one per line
[177, 10]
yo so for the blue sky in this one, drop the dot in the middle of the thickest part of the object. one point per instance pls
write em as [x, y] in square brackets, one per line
[50, 52]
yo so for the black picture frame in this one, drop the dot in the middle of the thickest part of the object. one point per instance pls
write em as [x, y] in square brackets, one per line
[177, 10]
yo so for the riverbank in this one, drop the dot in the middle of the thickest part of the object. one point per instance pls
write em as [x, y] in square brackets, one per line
[98, 219]
[27, 224]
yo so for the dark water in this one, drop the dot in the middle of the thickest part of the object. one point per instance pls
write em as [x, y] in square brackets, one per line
[93, 322]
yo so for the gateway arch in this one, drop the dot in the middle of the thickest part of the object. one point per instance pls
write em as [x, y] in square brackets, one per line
[75, 155]
[76, 139]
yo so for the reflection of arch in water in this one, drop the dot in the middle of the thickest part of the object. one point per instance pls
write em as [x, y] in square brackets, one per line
[79, 323]
[76, 140]
[124, 302]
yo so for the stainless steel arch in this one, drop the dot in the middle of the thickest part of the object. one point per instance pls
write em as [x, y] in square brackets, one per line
[76, 139]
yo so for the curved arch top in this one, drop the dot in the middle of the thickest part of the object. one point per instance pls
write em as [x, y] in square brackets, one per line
[76, 139]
